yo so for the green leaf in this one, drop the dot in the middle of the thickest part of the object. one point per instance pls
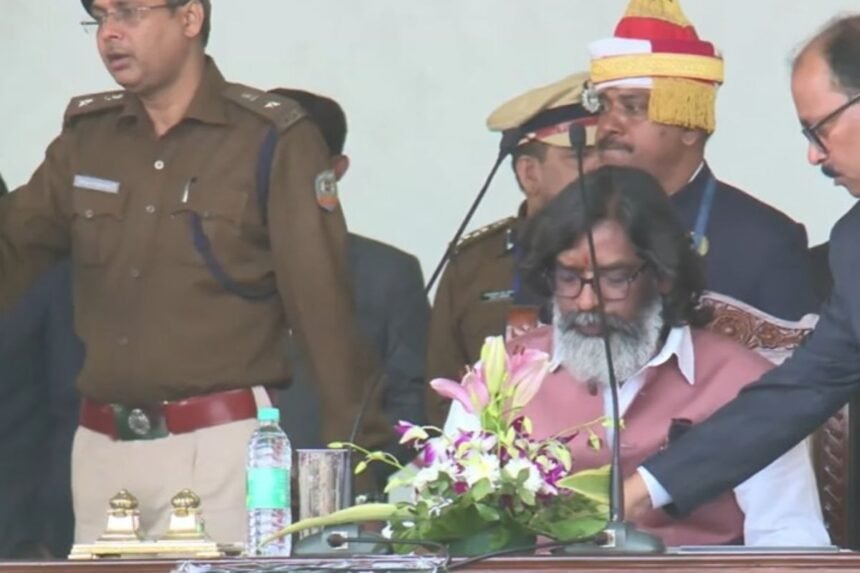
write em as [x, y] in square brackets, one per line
[356, 513]
[487, 512]
[592, 484]
[575, 528]
[395, 482]
[522, 477]
[481, 489]
[527, 496]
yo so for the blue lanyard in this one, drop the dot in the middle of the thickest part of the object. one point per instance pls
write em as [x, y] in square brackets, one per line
[704, 213]
[512, 246]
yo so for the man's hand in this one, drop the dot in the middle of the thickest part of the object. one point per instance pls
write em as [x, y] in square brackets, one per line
[637, 500]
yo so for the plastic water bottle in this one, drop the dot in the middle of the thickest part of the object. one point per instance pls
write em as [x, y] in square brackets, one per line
[268, 486]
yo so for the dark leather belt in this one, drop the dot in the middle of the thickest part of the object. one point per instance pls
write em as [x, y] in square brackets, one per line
[152, 421]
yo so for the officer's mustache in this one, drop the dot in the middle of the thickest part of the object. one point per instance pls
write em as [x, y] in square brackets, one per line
[829, 172]
[611, 143]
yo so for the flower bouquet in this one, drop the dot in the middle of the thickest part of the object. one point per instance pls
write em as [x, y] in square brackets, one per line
[494, 481]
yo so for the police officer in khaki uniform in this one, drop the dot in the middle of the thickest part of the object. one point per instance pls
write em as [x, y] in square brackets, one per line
[184, 285]
[480, 287]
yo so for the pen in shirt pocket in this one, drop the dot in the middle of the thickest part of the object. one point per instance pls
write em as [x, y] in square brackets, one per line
[186, 192]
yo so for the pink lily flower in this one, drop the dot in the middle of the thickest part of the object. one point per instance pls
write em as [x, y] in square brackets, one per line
[528, 370]
[472, 393]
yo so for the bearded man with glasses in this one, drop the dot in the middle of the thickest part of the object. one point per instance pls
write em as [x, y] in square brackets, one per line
[672, 373]
[185, 286]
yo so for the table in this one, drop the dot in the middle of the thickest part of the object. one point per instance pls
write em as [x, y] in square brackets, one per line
[687, 563]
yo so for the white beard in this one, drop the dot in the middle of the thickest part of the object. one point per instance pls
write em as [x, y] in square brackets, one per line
[632, 343]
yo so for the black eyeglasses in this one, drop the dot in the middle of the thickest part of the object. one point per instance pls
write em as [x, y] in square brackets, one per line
[614, 283]
[811, 131]
[128, 17]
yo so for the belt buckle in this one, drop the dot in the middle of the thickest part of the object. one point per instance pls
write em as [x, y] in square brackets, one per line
[139, 422]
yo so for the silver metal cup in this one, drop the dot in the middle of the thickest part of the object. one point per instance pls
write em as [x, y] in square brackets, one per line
[325, 483]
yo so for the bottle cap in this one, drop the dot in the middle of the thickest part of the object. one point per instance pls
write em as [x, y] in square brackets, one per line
[268, 415]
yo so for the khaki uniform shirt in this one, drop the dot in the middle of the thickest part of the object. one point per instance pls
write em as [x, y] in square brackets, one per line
[474, 297]
[156, 324]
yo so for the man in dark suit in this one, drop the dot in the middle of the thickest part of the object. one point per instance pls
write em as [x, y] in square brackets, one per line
[40, 326]
[822, 279]
[23, 438]
[40, 357]
[392, 309]
[661, 124]
[775, 413]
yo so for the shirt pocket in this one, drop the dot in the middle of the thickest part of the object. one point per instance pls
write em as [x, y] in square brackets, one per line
[97, 225]
[483, 319]
[209, 219]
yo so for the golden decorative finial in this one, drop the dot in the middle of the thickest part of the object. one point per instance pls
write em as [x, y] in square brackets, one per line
[123, 538]
[123, 502]
[185, 502]
[123, 523]
[186, 520]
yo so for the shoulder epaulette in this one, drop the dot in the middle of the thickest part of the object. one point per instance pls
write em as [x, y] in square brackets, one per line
[483, 233]
[279, 110]
[94, 103]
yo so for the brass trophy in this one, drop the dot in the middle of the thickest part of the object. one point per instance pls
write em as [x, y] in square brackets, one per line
[185, 537]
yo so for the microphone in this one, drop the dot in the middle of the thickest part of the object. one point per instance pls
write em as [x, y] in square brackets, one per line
[620, 535]
[510, 138]
[350, 540]
[338, 539]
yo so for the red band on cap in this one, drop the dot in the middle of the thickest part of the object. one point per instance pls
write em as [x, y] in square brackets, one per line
[683, 47]
[647, 28]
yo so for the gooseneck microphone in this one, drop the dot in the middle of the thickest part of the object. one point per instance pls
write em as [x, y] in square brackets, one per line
[577, 136]
[338, 539]
[508, 144]
[620, 536]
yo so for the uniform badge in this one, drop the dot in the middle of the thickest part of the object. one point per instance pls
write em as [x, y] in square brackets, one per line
[96, 184]
[325, 188]
[590, 98]
[497, 295]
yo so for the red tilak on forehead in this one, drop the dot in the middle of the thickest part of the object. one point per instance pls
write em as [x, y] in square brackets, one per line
[580, 259]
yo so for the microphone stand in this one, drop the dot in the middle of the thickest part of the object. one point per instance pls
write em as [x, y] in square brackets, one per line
[621, 536]
[508, 143]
